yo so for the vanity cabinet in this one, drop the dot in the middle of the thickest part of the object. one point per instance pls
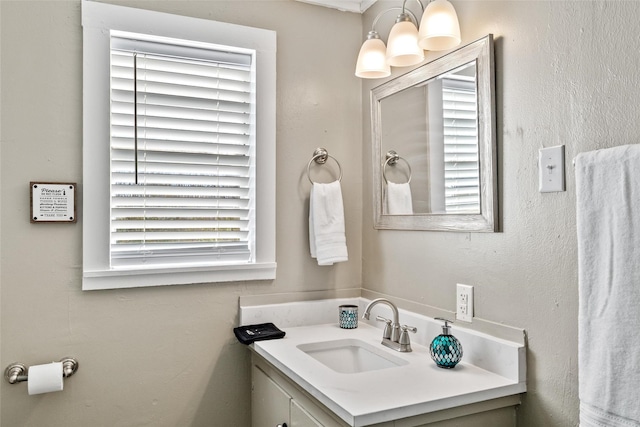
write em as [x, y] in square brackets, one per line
[276, 400]
[272, 406]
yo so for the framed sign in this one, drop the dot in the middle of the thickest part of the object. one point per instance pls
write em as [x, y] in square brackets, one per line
[53, 202]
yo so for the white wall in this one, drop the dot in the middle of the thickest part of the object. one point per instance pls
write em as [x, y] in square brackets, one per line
[567, 73]
[155, 356]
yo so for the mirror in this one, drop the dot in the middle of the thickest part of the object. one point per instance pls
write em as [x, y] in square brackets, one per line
[434, 148]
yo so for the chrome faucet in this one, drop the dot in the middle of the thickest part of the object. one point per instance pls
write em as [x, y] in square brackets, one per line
[394, 336]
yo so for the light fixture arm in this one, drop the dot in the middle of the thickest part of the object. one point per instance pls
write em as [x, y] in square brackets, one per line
[379, 15]
[402, 10]
[417, 1]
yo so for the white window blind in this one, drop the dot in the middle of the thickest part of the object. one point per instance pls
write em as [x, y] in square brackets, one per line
[182, 153]
[462, 182]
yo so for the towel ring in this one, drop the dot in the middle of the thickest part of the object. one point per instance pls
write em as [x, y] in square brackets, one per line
[392, 160]
[320, 156]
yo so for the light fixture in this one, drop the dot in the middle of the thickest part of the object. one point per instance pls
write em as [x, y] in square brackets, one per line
[439, 30]
[439, 27]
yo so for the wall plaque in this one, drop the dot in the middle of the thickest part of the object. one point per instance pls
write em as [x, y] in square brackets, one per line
[53, 202]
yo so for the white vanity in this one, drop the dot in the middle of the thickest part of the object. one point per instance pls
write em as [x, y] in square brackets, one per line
[322, 375]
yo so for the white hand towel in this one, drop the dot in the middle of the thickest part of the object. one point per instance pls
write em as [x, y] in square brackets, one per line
[399, 199]
[327, 239]
[608, 226]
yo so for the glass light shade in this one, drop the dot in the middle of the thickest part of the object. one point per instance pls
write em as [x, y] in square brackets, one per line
[402, 46]
[372, 62]
[439, 27]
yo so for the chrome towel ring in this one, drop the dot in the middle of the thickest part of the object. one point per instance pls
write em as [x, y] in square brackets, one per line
[320, 156]
[392, 160]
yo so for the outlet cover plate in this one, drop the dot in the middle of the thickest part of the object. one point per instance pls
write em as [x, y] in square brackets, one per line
[464, 302]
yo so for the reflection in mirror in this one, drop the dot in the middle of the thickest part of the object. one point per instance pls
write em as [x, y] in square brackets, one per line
[435, 123]
[434, 144]
[398, 198]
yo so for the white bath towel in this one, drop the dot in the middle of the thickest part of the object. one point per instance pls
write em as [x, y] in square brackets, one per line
[608, 225]
[327, 239]
[399, 199]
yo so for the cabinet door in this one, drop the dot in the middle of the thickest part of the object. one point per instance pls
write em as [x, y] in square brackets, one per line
[270, 405]
[301, 418]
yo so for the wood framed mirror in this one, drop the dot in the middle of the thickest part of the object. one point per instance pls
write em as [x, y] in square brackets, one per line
[434, 145]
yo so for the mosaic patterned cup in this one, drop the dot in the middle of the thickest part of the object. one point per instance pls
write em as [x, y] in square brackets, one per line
[348, 316]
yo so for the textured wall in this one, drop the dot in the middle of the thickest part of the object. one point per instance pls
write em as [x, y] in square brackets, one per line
[567, 73]
[155, 356]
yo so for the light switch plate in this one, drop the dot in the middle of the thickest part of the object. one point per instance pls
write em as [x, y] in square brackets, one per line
[551, 165]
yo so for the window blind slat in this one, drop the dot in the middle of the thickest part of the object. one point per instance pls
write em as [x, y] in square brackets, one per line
[179, 78]
[121, 62]
[181, 102]
[222, 149]
[172, 157]
[192, 92]
[451, 140]
[460, 123]
[183, 181]
[183, 112]
[181, 135]
[158, 124]
[463, 182]
[456, 148]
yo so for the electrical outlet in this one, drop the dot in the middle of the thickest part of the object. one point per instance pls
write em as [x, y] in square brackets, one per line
[464, 302]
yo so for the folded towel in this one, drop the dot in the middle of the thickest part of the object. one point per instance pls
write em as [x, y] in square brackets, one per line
[327, 240]
[399, 199]
[608, 227]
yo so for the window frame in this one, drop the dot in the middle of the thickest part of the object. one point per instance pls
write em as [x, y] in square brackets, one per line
[98, 19]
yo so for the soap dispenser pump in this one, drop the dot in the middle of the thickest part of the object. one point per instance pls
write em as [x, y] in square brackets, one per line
[445, 349]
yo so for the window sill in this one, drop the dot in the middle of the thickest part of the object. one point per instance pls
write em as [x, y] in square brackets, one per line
[135, 278]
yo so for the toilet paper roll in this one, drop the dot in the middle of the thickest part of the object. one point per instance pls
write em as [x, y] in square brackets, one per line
[45, 378]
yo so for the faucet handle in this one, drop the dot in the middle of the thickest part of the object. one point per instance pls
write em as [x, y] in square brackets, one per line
[404, 335]
[409, 328]
[387, 328]
[404, 341]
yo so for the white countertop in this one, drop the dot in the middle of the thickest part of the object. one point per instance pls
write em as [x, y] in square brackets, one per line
[366, 398]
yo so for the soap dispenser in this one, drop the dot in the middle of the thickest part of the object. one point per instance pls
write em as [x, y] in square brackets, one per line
[445, 349]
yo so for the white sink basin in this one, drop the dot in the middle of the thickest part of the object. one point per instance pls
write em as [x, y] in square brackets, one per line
[351, 356]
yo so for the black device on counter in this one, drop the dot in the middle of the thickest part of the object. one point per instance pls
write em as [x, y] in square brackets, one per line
[264, 331]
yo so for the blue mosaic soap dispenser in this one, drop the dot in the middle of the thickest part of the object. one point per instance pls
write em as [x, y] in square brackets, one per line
[445, 349]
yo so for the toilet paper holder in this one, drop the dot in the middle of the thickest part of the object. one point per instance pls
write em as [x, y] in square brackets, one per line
[17, 372]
